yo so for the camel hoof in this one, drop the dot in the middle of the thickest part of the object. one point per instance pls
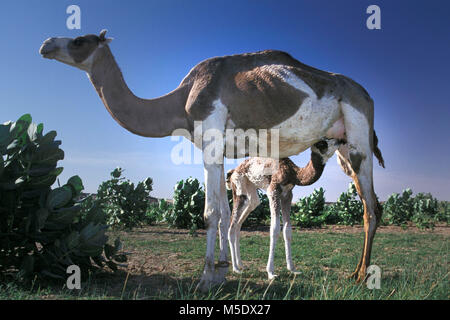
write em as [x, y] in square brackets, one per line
[204, 285]
[236, 270]
[211, 279]
[207, 284]
[272, 276]
[353, 275]
[358, 275]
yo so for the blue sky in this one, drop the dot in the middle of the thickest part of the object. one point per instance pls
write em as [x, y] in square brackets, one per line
[404, 66]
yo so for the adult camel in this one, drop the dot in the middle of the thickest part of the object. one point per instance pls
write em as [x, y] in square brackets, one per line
[267, 90]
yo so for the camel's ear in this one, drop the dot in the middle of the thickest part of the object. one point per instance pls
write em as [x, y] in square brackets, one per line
[103, 38]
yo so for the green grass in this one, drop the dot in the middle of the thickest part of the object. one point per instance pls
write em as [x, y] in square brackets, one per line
[166, 264]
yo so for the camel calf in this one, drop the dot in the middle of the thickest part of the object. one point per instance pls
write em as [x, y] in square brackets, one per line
[277, 178]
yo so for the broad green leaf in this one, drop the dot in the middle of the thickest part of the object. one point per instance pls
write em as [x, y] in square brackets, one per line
[77, 185]
[59, 197]
[25, 118]
[64, 216]
[40, 129]
[32, 131]
[42, 181]
[48, 137]
[40, 170]
[47, 155]
[5, 135]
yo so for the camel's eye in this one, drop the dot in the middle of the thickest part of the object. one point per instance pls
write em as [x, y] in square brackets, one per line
[78, 42]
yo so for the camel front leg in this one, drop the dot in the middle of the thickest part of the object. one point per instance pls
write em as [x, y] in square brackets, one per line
[224, 223]
[212, 215]
[275, 209]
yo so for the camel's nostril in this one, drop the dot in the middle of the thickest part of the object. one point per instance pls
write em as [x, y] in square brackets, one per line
[44, 49]
[47, 47]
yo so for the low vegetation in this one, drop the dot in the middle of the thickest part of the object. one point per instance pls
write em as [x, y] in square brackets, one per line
[43, 230]
[166, 263]
[124, 204]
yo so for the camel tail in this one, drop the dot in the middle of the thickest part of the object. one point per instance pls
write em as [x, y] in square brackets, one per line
[376, 150]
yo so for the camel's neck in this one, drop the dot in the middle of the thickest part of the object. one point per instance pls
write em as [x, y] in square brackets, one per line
[150, 118]
[311, 172]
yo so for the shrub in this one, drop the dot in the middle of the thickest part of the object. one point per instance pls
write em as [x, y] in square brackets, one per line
[125, 205]
[423, 210]
[44, 230]
[426, 211]
[348, 210]
[398, 209]
[308, 211]
[157, 211]
[444, 212]
[188, 206]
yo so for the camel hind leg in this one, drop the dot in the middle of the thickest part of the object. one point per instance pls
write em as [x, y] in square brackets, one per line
[254, 202]
[356, 158]
[286, 201]
[215, 211]
[274, 195]
[245, 200]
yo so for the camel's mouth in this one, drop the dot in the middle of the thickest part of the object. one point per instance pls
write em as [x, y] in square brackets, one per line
[48, 54]
[48, 49]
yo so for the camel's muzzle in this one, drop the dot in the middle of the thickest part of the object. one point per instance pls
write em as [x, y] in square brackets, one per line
[48, 48]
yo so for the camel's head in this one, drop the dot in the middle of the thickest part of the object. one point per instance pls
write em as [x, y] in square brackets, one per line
[78, 52]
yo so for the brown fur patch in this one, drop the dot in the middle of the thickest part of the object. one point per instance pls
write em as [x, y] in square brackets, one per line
[322, 146]
[355, 159]
[312, 172]
[255, 97]
[289, 173]
[258, 99]
[229, 174]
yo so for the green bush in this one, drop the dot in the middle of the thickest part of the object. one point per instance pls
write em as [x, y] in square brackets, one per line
[348, 210]
[44, 230]
[398, 209]
[188, 206]
[125, 205]
[426, 211]
[444, 212]
[157, 211]
[308, 211]
[423, 210]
